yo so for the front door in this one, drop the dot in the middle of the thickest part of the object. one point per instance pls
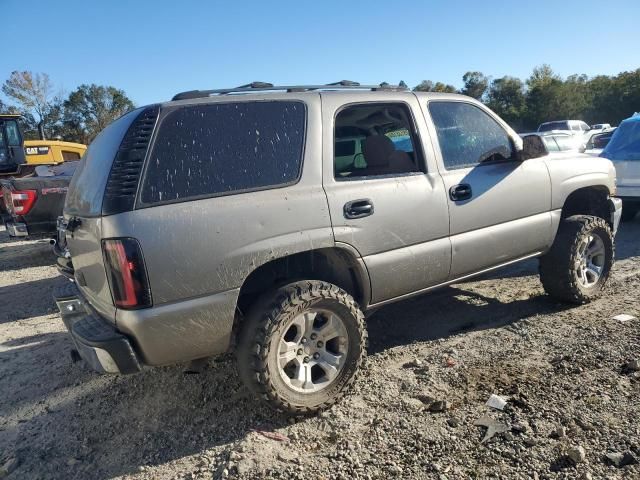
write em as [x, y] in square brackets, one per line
[385, 195]
[499, 207]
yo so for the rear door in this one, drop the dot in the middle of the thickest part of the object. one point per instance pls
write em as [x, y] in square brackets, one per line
[387, 201]
[499, 207]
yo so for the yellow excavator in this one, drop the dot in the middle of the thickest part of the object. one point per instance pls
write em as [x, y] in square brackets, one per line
[18, 157]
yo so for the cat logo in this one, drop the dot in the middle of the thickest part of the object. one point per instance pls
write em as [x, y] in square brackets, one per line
[37, 150]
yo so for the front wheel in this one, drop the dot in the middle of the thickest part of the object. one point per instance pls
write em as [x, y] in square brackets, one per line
[302, 346]
[577, 266]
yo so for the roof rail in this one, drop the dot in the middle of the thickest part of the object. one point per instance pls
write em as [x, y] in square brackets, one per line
[269, 87]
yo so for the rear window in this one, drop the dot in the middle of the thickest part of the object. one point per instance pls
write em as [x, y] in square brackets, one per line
[221, 148]
[547, 127]
[90, 178]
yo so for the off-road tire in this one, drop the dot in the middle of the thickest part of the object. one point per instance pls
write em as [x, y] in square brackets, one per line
[629, 212]
[263, 327]
[557, 267]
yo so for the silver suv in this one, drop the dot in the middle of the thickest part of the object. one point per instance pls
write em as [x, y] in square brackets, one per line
[266, 220]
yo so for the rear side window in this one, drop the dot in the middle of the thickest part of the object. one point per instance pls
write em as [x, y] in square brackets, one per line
[221, 148]
[90, 179]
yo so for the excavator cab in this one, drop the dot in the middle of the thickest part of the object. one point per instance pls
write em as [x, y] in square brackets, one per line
[12, 156]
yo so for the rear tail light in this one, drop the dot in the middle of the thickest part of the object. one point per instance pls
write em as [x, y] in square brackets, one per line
[126, 273]
[22, 201]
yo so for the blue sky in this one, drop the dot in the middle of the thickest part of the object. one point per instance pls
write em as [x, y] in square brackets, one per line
[153, 49]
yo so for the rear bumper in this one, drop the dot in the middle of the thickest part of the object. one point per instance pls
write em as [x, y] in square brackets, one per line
[99, 344]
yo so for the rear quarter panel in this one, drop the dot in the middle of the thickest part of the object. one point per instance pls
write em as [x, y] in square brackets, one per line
[198, 254]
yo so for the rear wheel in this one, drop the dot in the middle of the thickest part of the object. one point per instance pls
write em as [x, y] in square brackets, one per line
[577, 266]
[302, 346]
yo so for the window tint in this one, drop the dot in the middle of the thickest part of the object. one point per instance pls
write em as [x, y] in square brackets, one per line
[13, 135]
[468, 136]
[382, 138]
[206, 150]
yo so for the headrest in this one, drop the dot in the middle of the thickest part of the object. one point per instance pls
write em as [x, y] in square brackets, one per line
[376, 150]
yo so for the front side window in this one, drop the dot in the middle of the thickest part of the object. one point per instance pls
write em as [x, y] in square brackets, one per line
[221, 148]
[468, 136]
[374, 139]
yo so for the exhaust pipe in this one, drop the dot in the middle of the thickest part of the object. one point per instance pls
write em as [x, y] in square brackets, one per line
[52, 241]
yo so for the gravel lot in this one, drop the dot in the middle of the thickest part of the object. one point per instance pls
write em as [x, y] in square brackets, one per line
[568, 374]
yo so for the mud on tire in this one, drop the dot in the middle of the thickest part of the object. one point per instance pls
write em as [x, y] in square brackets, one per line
[259, 352]
[561, 267]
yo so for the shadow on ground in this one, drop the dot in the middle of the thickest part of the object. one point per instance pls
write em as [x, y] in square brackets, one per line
[62, 421]
[28, 299]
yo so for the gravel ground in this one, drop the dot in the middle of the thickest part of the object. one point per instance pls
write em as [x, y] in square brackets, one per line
[569, 375]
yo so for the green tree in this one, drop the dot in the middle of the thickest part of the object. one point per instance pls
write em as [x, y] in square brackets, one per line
[444, 88]
[402, 84]
[35, 98]
[90, 108]
[506, 97]
[475, 85]
[424, 86]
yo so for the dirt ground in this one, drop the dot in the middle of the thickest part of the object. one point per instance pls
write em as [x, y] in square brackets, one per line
[567, 373]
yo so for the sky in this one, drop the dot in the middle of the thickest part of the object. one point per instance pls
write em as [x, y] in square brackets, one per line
[154, 49]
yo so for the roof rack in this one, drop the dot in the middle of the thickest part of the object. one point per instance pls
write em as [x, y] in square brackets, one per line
[269, 87]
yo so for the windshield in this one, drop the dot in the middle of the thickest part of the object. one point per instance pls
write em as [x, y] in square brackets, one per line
[547, 127]
[625, 143]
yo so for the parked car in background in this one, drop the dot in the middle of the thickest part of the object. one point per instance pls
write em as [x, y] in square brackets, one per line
[559, 141]
[601, 126]
[234, 219]
[34, 203]
[597, 142]
[624, 151]
[574, 126]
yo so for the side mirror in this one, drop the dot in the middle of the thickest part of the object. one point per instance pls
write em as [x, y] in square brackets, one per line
[532, 147]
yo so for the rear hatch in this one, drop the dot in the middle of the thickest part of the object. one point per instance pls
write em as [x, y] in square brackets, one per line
[85, 203]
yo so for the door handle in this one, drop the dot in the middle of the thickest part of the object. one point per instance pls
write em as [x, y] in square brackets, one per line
[358, 208]
[460, 192]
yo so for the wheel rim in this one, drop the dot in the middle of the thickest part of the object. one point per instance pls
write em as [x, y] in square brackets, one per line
[590, 260]
[312, 350]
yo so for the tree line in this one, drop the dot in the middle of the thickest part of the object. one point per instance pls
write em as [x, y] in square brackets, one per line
[546, 96]
[47, 113]
[524, 104]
